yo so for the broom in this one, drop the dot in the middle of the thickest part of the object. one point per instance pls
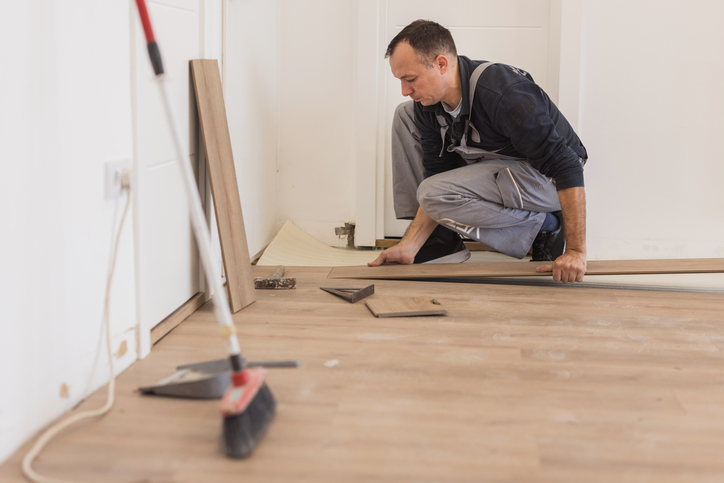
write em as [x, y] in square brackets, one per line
[248, 405]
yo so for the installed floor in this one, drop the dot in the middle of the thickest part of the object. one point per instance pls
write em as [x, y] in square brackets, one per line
[516, 384]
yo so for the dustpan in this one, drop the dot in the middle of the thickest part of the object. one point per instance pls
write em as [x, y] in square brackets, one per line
[204, 380]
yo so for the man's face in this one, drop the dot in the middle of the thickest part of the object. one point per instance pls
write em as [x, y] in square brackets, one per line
[425, 84]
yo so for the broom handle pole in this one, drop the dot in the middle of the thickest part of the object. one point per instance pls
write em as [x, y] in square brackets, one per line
[198, 221]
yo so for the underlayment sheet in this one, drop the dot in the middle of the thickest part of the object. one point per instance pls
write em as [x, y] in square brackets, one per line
[294, 248]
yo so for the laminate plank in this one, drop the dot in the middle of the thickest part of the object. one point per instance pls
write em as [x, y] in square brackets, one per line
[405, 306]
[509, 269]
[224, 187]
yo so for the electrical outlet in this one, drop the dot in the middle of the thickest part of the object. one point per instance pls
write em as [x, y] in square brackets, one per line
[114, 170]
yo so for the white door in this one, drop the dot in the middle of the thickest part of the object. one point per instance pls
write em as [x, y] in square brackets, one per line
[167, 259]
[517, 32]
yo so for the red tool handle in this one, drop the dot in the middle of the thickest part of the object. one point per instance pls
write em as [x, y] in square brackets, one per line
[145, 20]
[153, 51]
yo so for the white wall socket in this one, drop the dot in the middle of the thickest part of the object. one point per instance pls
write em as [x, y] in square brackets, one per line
[114, 169]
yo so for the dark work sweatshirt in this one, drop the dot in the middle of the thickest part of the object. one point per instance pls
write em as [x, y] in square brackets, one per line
[513, 116]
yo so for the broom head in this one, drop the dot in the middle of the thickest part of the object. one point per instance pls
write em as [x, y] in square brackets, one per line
[248, 407]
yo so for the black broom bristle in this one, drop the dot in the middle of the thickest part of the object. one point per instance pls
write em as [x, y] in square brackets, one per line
[242, 432]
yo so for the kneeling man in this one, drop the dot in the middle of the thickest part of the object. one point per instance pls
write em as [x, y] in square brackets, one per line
[481, 151]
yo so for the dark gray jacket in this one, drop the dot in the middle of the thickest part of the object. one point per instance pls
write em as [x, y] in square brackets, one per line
[514, 117]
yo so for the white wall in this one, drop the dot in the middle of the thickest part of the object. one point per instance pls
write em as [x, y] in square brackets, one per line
[316, 149]
[67, 92]
[251, 92]
[651, 118]
[65, 97]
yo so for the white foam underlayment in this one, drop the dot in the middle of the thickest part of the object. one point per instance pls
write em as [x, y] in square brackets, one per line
[292, 247]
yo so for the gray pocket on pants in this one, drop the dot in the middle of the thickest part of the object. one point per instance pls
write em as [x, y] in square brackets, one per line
[509, 189]
[523, 187]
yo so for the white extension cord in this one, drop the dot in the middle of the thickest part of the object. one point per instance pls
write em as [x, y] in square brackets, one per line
[60, 426]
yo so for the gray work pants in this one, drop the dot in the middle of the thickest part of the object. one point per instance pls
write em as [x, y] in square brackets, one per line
[496, 200]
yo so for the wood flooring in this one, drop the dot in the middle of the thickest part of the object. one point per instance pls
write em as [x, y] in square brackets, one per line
[516, 384]
[507, 269]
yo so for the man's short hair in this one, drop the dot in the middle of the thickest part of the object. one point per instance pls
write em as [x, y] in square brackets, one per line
[428, 39]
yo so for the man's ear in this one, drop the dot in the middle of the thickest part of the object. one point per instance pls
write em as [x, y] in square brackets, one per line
[441, 63]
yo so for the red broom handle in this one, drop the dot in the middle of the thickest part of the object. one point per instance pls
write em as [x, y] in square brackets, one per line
[145, 20]
[153, 51]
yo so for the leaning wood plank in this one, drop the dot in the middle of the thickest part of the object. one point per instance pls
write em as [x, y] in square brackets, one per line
[514, 269]
[224, 189]
[405, 307]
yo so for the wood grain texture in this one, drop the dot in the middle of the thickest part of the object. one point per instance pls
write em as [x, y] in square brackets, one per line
[224, 187]
[517, 384]
[405, 306]
[515, 269]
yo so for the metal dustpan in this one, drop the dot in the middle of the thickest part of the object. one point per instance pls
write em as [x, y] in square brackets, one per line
[203, 380]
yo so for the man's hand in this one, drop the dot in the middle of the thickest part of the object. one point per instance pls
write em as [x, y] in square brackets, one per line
[568, 268]
[571, 266]
[394, 256]
[404, 252]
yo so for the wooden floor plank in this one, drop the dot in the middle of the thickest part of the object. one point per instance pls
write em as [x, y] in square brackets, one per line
[405, 306]
[516, 384]
[513, 269]
[222, 177]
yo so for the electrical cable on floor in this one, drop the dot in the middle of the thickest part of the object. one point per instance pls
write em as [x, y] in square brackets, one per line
[60, 426]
